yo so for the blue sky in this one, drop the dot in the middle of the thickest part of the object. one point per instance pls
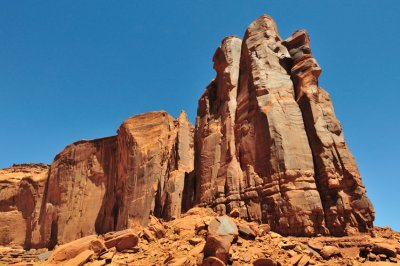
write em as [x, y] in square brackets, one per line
[73, 70]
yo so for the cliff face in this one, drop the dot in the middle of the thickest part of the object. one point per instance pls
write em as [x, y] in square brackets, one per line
[79, 191]
[21, 193]
[218, 171]
[295, 171]
[156, 153]
[100, 185]
[267, 147]
[346, 207]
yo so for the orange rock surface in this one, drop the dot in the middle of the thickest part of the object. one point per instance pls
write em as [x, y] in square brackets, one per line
[267, 149]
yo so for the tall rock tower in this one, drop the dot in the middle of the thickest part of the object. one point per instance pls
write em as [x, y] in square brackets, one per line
[268, 146]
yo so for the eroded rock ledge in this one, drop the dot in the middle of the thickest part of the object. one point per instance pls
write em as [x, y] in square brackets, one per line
[267, 147]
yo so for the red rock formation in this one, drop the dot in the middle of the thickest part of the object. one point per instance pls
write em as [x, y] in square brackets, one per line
[268, 148]
[218, 171]
[80, 180]
[347, 209]
[296, 172]
[155, 153]
[101, 185]
[21, 193]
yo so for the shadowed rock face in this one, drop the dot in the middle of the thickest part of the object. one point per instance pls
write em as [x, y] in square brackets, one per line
[267, 147]
[296, 172]
[80, 187]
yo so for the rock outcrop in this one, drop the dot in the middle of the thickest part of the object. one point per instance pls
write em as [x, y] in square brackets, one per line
[268, 145]
[79, 191]
[21, 194]
[101, 185]
[218, 172]
[346, 207]
[156, 154]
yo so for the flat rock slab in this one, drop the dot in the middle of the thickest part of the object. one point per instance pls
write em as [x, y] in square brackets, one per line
[223, 226]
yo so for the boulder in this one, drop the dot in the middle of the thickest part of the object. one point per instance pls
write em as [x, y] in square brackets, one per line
[246, 232]
[221, 232]
[122, 240]
[315, 244]
[83, 247]
[213, 261]
[156, 227]
[263, 262]
[384, 248]
[223, 226]
[81, 259]
[330, 251]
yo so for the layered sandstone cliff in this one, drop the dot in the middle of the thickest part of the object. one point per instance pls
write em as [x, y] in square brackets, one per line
[101, 185]
[295, 171]
[267, 147]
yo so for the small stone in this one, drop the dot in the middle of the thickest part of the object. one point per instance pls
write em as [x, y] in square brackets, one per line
[99, 263]
[287, 246]
[213, 261]
[263, 262]
[382, 257]
[195, 240]
[246, 232]
[178, 261]
[372, 257]
[81, 258]
[274, 235]
[235, 213]
[304, 260]
[246, 257]
[121, 240]
[315, 244]
[384, 248]
[330, 251]
[294, 260]
[265, 227]
[44, 255]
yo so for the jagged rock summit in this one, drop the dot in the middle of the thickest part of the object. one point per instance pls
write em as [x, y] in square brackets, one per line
[267, 147]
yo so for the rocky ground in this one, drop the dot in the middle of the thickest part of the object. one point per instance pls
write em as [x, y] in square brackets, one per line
[200, 237]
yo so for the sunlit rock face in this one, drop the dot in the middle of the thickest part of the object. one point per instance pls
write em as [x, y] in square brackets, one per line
[21, 193]
[114, 183]
[346, 206]
[268, 145]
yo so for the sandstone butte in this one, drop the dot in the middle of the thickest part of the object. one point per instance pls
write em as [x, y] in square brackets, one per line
[266, 148]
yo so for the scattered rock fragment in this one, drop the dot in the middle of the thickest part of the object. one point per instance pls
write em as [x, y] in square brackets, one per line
[263, 262]
[384, 248]
[213, 261]
[330, 251]
[246, 232]
[72, 249]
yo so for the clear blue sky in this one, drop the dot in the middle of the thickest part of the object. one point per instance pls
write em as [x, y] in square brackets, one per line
[73, 70]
